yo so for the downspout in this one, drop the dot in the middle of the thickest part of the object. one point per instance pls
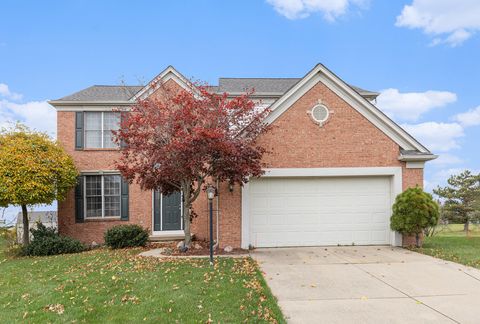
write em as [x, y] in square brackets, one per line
[217, 215]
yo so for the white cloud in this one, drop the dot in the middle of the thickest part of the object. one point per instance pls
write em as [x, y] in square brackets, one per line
[38, 115]
[6, 93]
[446, 159]
[469, 118]
[452, 22]
[409, 106]
[331, 9]
[437, 137]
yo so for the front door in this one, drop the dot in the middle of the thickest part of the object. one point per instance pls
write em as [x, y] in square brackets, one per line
[167, 212]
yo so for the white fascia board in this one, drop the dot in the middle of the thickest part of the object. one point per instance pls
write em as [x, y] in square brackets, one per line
[88, 107]
[353, 98]
[167, 74]
[417, 157]
[332, 172]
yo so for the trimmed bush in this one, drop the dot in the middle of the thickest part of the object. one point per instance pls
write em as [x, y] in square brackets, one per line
[46, 241]
[122, 236]
[413, 211]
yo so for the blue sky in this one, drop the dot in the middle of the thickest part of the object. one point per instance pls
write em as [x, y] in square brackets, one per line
[421, 54]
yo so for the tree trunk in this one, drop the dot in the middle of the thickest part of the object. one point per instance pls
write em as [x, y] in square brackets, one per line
[466, 227]
[186, 215]
[26, 229]
[417, 240]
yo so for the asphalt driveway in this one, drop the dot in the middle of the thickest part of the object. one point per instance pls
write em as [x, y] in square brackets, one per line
[369, 284]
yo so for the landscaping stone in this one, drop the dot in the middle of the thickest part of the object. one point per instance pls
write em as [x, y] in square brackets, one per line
[228, 249]
[180, 244]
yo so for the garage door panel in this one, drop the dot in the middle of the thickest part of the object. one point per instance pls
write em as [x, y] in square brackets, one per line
[319, 211]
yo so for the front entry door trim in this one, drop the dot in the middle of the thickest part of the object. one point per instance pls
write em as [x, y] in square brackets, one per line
[161, 231]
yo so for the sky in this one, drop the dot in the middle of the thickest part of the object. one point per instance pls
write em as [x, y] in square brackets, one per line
[421, 55]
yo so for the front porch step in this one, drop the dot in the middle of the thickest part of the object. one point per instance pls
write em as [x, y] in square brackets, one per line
[167, 237]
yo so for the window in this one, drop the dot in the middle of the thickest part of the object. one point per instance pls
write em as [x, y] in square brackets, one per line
[99, 127]
[102, 196]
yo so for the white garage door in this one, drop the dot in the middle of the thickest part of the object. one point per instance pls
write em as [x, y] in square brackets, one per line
[319, 211]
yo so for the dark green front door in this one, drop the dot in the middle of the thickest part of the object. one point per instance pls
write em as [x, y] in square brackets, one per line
[167, 212]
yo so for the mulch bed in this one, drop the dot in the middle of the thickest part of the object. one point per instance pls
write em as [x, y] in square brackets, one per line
[198, 248]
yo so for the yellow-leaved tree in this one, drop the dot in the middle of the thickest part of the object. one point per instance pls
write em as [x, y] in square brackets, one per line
[34, 169]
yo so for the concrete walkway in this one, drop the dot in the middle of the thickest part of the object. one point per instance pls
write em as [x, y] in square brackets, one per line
[369, 285]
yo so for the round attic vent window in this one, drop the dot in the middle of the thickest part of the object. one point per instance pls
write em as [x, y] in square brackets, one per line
[320, 114]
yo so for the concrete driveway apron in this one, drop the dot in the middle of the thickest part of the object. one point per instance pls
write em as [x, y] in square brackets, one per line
[369, 284]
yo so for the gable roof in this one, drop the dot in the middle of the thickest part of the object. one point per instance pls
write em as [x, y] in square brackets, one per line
[268, 87]
[170, 73]
[285, 91]
[321, 74]
[271, 86]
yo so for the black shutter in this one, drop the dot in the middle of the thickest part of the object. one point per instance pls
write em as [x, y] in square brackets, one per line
[124, 200]
[79, 205]
[79, 130]
[156, 210]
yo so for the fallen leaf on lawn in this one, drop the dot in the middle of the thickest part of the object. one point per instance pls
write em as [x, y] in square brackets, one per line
[55, 308]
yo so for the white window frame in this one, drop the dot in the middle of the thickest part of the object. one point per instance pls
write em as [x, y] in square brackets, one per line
[102, 175]
[102, 144]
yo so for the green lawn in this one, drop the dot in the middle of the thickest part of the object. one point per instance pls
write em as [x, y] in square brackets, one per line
[117, 286]
[451, 243]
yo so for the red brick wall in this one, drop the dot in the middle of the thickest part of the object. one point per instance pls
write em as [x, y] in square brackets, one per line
[140, 202]
[346, 140]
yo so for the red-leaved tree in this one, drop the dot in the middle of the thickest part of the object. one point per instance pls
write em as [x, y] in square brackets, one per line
[180, 139]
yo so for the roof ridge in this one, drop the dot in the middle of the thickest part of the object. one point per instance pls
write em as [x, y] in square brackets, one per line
[112, 85]
[269, 78]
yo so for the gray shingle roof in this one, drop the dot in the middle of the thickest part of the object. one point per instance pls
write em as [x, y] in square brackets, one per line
[271, 86]
[42, 216]
[261, 85]
[103, 93]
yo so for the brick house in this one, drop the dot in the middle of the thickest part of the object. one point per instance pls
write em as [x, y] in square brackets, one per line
[336, 165]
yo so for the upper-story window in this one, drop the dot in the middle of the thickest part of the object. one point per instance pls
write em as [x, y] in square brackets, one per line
[99, 127]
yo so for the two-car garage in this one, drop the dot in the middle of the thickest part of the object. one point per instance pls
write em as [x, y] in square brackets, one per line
[320, 210]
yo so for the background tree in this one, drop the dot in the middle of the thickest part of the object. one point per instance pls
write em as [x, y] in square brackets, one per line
[33, 170]
[179, 140]
[413, 211]
[461, 197]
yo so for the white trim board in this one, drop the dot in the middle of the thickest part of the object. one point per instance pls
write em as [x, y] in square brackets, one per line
[396, 188]
[321, 74]
[170, 73]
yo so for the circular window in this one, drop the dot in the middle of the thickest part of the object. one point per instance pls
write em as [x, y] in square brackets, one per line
[320, 113]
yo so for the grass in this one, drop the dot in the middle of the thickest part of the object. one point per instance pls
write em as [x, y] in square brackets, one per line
[104, 286]
[451, 243]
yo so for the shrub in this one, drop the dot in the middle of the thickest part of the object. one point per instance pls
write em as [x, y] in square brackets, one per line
[122, 236]
[46, 241]
[413, 211]
[12, 248]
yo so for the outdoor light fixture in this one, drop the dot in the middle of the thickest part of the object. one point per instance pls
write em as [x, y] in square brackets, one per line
[210, 192]
[210, 195]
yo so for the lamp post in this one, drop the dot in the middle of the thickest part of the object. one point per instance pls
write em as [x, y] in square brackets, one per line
[211, 194]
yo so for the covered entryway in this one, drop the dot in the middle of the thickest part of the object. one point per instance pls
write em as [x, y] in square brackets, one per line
[316, 210]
